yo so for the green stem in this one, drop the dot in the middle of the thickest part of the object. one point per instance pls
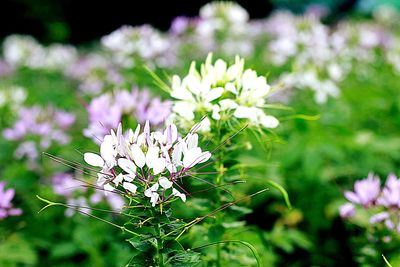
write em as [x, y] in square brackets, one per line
[219, 167]
[159, 246]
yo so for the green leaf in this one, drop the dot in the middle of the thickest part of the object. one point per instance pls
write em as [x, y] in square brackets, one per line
[141, 244]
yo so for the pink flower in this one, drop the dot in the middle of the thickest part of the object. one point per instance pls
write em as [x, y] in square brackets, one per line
[347, 210]
[365, 191]
[6, 207]
[390, 197]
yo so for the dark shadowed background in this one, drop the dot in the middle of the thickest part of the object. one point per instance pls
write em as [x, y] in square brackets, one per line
[77, 21]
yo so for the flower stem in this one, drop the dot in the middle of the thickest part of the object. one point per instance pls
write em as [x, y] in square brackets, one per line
[159, 244]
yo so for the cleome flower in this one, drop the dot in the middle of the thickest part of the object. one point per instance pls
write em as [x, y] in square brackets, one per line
[223, 91]
[383, 204]
[6, 207]
[147, 164]
[107, 110]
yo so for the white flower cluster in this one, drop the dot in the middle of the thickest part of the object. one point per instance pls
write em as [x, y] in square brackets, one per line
[148, 163]
[222, 27]
[132, 43]
[19, 50]
[223, 91]
[14, 97]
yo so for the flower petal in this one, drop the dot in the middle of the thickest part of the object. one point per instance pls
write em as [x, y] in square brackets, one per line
[165, 183]
[93, 159]
[127, 165]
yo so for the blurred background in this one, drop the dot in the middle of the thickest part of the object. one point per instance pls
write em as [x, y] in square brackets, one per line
[336, 61]
[74, 21]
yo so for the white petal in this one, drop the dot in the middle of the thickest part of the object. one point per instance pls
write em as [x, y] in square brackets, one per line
[178, 194]
[177, 153]
[192, 141]
[154, 199]
[152, 156]
[129, 177]
[148, 192]
[127, 165]
[108, 188]
[138, 156]
[243, 112]
[214, 94]
[130, 187]
[204, 157]
[191, 156]
[107, 151]
[158, 166]
[154, 187]
[269, 121]
[117, 180]
[93, 159]
[165, 183]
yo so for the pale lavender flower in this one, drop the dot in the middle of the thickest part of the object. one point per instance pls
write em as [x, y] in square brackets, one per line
[26, 149]
[77, 204]
[5, 68]
[347, 210]
[64, 119]
[94, 72]
[46, 125]
[6, 207]
[64, 184]
[365, 192]
[106, 111]
[179, 25]
[390, 196]
[115, 201]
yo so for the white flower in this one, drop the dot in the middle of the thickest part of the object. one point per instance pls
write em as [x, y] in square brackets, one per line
[152, 194]
[165, 183]
[178, 194]
[130, 187]
[147, 158]
[222, 91]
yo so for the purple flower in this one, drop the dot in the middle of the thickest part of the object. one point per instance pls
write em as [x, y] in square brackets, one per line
[77, 204]
[27, 149]
[64, 184]
[347, 210]
[5, 69]
[179, 25]
[6, 207]
[49, 124]
[390, 196]
[365, 191]
[64, 119]
[106, 111]
[379, 217]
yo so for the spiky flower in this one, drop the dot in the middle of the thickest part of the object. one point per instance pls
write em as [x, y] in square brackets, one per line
[147, 164]
[223, 91]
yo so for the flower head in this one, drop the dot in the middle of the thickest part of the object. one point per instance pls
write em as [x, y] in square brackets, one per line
[365, 192]
[222, 90]
[6, 207]
[146, 163]
[107, 110]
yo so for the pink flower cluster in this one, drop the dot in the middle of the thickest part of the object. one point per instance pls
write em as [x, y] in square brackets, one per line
[47, 125]
[383, 202]
[6, 207]
[107, 110]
